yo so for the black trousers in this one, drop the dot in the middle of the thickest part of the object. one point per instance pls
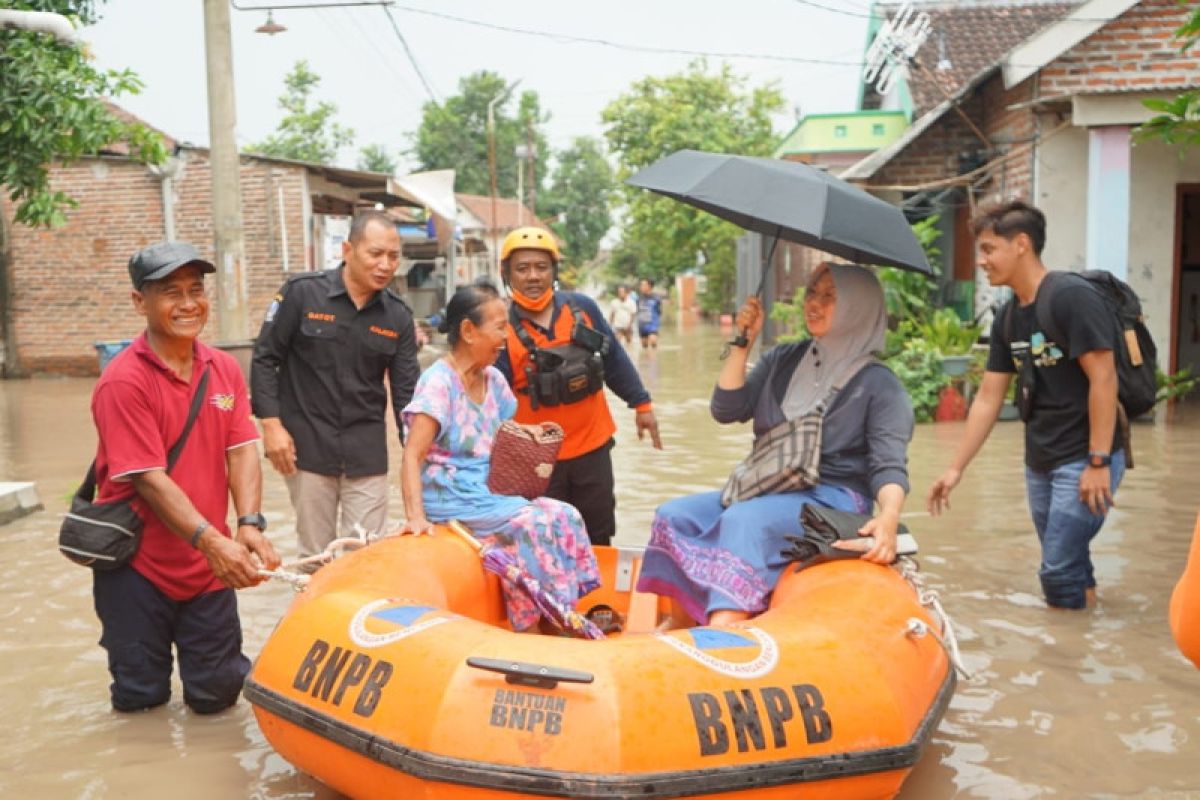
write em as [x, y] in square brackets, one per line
[140, 624]
[586, 482]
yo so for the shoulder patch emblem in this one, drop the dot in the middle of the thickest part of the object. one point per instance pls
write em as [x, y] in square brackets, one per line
[273, 309]
[223, 402]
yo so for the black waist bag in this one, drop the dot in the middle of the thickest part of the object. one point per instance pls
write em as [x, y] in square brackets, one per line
[105, 536]
[102, 536]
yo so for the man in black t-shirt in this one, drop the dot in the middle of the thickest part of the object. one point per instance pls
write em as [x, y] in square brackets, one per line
[1073, 460]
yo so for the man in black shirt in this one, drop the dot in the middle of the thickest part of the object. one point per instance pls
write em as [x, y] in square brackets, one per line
[317, 383]
[1073, 460]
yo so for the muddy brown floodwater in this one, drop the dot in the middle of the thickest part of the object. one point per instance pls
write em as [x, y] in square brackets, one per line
[1096, 704]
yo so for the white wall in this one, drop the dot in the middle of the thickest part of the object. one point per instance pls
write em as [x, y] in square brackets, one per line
[1156, 170]
[1062, 166]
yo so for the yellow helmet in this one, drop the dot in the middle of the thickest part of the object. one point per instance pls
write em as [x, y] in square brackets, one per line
[530, 238]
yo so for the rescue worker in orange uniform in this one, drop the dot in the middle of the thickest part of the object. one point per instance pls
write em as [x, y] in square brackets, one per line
[560, 355]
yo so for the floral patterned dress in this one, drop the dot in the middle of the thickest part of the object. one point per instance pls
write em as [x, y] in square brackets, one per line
[547, 536]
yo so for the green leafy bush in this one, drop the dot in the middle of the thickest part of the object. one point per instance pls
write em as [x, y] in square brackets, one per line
[1175, 385]
[947, 333]
[789, 317]
[918, 365]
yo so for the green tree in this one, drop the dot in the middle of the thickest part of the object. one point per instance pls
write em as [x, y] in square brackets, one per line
[702, 110]
[1178, 119]
[376, 158]
[52, 109]
[453, 135]
[580, 196]
[304, 133]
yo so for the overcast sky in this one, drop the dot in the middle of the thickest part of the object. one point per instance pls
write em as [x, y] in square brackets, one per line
[364, 69]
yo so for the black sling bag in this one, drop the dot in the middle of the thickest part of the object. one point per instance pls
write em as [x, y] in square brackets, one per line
[105, 536]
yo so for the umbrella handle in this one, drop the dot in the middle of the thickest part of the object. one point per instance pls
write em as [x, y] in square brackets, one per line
[461, 531]
[741, 340]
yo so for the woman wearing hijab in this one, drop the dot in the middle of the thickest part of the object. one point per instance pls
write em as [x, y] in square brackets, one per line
[721, 563]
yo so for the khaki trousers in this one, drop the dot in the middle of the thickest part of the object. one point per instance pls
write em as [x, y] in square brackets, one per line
[316, 498]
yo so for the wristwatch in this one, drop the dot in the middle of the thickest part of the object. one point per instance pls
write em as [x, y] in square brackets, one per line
[1099, 459]
[256, 519]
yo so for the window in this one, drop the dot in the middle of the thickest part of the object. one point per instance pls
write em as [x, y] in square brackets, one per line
[839, 131]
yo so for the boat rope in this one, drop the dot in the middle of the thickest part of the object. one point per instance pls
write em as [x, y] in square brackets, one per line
[910, 570]
[292, 573]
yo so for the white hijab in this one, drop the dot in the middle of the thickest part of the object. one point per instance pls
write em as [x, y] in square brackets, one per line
[855, 336]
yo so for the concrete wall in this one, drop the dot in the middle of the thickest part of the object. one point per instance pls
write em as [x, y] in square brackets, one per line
[1156, 171]
[1062, 166]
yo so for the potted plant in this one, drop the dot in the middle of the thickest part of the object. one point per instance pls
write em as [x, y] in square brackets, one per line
[1176, 385]
[947, 334]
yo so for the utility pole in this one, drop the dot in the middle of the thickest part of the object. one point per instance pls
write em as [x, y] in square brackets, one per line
[531, 150]
[491, 141]
[522, 153]
[233, 320]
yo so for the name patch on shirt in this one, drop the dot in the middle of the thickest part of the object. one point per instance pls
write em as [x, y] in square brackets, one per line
[321, 317]
[384, 332]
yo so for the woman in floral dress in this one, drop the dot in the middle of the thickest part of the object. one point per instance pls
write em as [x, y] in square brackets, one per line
[458, 406]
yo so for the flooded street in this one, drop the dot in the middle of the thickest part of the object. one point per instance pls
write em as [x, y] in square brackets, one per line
[1096, 704]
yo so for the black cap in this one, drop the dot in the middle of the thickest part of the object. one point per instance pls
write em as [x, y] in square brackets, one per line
[159, 260]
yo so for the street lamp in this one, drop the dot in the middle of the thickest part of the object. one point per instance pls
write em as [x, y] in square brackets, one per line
[522, 152]
[270, 27]
[491, 142]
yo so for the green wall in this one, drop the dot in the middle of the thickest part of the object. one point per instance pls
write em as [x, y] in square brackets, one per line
[831, 133]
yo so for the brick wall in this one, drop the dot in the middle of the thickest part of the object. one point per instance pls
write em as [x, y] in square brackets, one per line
[938, 152]
[263, 227]
[69, 286]
[1135, 52]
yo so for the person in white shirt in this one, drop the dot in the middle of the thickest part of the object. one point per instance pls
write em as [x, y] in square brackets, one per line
[622, 310]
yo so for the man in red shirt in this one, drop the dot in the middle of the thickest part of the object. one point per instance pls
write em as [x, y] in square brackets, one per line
[178, 589]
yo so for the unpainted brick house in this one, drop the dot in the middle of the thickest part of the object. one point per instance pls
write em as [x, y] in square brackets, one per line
[63, 290]
[1051, 119]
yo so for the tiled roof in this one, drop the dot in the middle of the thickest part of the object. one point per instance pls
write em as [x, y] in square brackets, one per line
[972, 38]
[122, 148]
[506, 211]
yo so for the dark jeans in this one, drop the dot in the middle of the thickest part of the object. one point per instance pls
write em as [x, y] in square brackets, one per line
[1066, 527]
[586, 482]
[140, 624]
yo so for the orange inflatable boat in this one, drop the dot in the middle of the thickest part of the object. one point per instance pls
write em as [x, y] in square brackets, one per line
[1185, 604]
[394, 675]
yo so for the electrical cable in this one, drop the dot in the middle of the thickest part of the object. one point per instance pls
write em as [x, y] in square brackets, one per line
[411, 58]
[401, 75]
[562, 37]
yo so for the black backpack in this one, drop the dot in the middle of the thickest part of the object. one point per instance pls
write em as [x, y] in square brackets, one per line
[1135, 355]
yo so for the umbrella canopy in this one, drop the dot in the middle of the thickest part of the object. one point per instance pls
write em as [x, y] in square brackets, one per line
[791, 201]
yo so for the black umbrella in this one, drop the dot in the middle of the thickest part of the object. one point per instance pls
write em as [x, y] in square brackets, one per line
[789, 200]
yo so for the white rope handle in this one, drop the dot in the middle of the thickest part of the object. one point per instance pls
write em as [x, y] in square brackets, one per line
[299, 580]
[930, 598]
